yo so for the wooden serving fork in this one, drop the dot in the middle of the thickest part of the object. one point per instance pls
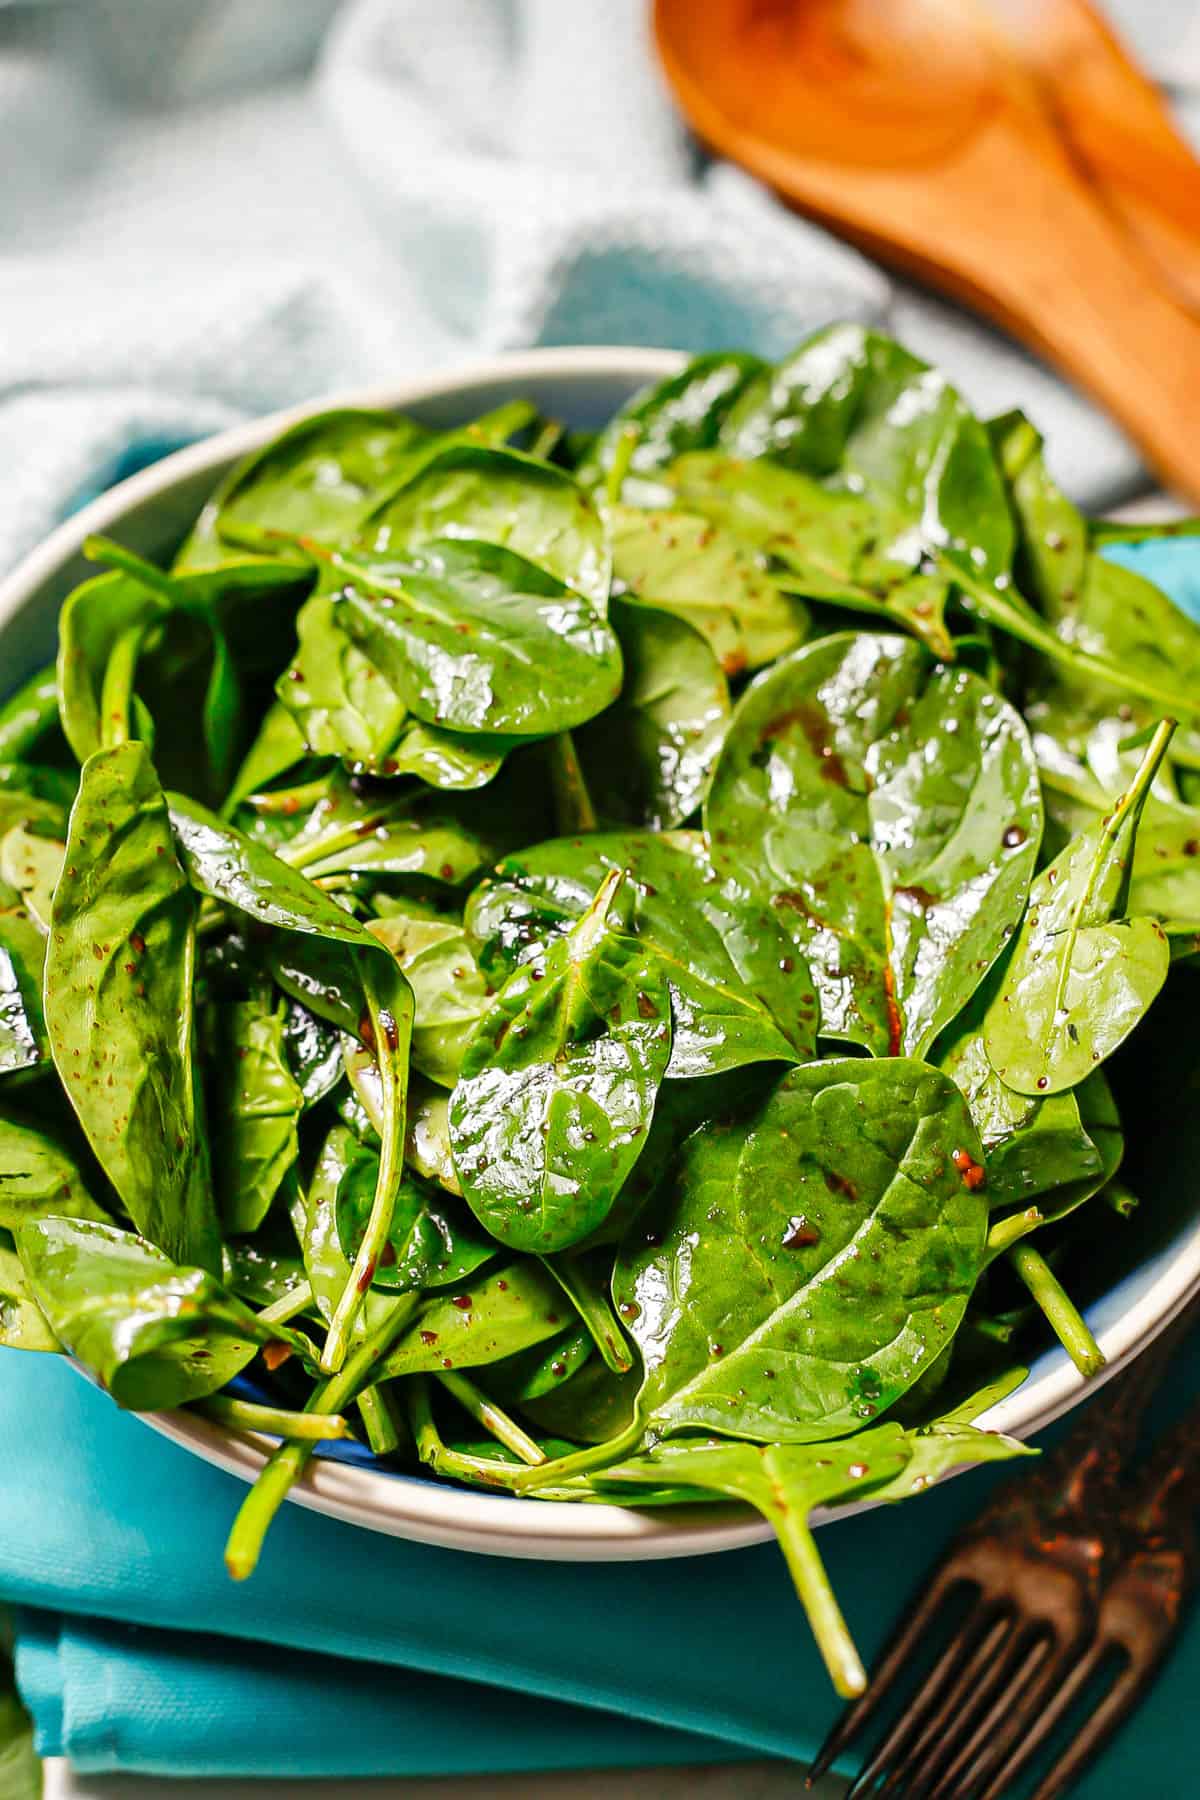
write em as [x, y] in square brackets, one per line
[1062, 1574]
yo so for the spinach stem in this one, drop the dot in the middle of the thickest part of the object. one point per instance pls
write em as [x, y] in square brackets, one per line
[286, 1465]
[116, 690]
[579, 1462]
[247, 1415]
[573, 808]
[1063, 1315]
[288, 1306]
[391, 1170]
[432, 1450]
[592, 1305]
[383, 1436]
[622, 457]
[494, 1420]
[1006, 1232]
[817, 1597]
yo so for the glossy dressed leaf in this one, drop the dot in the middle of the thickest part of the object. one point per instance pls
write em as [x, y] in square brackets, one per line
[593, 1407]
[500, 497]
[278, 747]
[32, 864]
[93, 621]
[260, 1274]
[119, 1007]
[684, 412]
[23, 1325]
[558, 1085]
[28, 714]
[427, 1147]
[155, 1334]
[683, 564]
[313, 1051]
[23, 1042]
[545, 1369]
[326, 1263]
[824, 544]
[805, 1272]
[254, 1111]
[647, 758]
[1031, 1144]
[889, 810]
[35, 797]
[452, 760]
[318, 477]
[476, 638]
[1093, 605]
[339, 702]
[39, 1178]
[739, 993]
[450, 992]
[500, 1313]
[851, 407]
[433, 1241]
[1081, 973]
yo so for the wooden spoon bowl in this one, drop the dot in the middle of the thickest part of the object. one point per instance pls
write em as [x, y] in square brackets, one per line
[1005, 151]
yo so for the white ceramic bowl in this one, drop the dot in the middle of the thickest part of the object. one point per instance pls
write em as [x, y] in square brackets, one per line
[151, 512]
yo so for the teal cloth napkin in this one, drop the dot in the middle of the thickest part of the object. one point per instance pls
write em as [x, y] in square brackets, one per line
[351, 1654]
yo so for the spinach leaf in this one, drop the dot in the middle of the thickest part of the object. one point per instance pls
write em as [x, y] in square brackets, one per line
[433, 1241]
[36, 797]
[23, 1325]
[1031, 1144]
[342, 1159]
[683, 564]
[474, 637]
[278, 747]
[558, 1085]
[23, 1042]
[684, 412]
[852, 406]
[533, 1374]
[255, 1106]
[119, 1004]
[647, 758]
[39, 1178]
[100, 633]
[499, 497]
[317, 477]
[899, 873]
[825, 545]
[450, 992]
[738, 992]
[505, 1311]
[153, 1333]
[336, 697]
[32, 865]
[28, 714]
[1081, 973]
[804, 1271]
[313, 1052]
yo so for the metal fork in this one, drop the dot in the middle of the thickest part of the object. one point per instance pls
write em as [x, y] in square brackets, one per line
[1059, 1575]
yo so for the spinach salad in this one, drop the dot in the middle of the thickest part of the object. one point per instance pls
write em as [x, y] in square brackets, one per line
[590, 964]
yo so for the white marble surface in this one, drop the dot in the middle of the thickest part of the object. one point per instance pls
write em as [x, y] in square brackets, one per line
[729, 1781]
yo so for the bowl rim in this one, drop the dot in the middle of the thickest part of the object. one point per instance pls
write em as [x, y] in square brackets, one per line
[422, 1508]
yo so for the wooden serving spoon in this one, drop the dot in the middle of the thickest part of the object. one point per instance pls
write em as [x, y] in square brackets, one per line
[1005, 151]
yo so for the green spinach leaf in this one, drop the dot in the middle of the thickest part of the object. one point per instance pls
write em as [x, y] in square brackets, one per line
[558, 1085]
[889, 810]
[119, 1004]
